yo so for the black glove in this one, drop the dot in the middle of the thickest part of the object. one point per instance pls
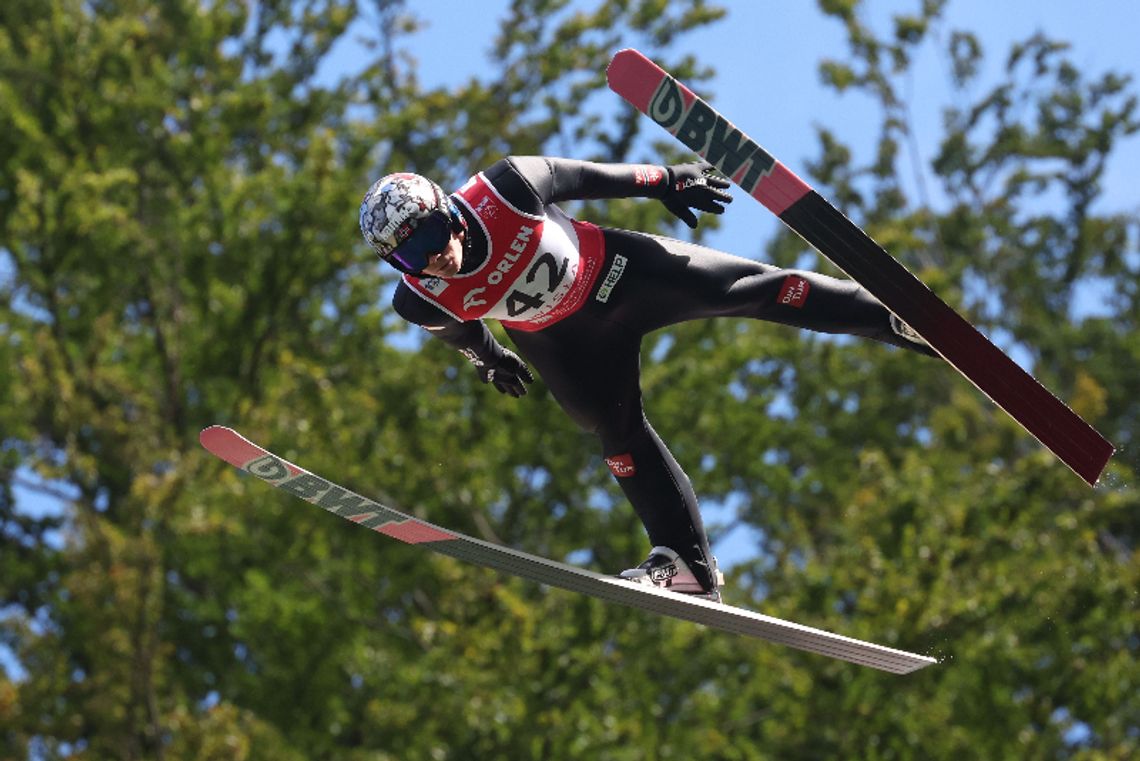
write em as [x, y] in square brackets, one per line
[506, 371]
[693, 186]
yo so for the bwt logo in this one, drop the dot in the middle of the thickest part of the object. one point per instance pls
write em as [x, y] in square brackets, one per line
[316, 490]
[708, 133]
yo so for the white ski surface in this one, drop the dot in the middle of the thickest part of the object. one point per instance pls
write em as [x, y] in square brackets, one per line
[230, 446]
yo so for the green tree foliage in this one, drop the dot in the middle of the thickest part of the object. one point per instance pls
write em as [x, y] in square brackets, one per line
[178, 186]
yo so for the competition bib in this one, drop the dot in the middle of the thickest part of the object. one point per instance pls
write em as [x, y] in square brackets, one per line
[538, 270]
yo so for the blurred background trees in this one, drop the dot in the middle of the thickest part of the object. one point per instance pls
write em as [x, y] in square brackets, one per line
[178, 194]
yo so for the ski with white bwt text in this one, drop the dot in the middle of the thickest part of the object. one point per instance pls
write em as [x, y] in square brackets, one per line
[701, 128]
[238, 451]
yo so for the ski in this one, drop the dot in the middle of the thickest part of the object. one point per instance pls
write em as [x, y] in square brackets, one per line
[247, 456]
[701, 128]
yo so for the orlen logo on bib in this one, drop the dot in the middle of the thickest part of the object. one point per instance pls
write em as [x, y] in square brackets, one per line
[471, 299]
[621, 465]
[795, 291]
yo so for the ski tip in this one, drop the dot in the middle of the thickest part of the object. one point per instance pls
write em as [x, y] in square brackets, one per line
[211, 433]
[626, 53]
[613, 70]
[633, 76]
[229, 445]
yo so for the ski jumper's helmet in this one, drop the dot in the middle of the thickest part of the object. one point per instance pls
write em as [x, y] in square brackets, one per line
[407, 218]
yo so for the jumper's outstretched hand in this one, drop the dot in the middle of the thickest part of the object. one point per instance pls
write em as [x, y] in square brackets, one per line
[507, 373]
[694, 186]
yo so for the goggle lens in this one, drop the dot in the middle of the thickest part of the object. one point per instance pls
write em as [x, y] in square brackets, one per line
[430, 237]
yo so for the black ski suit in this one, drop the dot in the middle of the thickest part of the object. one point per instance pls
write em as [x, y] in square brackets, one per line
[590, 358]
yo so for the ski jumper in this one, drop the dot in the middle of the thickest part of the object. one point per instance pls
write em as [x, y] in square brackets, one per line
[577, 300]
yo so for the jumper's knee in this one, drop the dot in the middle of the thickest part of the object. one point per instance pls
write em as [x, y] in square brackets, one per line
[622, 433]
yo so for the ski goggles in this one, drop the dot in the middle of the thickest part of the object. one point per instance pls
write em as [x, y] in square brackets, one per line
[429, 238]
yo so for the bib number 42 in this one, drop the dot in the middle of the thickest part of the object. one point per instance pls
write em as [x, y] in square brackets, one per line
[520, 301]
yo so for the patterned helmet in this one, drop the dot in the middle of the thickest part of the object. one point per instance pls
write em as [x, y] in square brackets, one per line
[395, 207]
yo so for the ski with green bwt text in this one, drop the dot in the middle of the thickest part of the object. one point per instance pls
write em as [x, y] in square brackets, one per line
[238, 451]
[701, 128]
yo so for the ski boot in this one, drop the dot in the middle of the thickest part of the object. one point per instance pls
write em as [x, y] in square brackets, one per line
[665, 569]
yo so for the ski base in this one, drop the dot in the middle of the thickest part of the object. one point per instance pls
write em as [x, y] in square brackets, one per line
[238, 451]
